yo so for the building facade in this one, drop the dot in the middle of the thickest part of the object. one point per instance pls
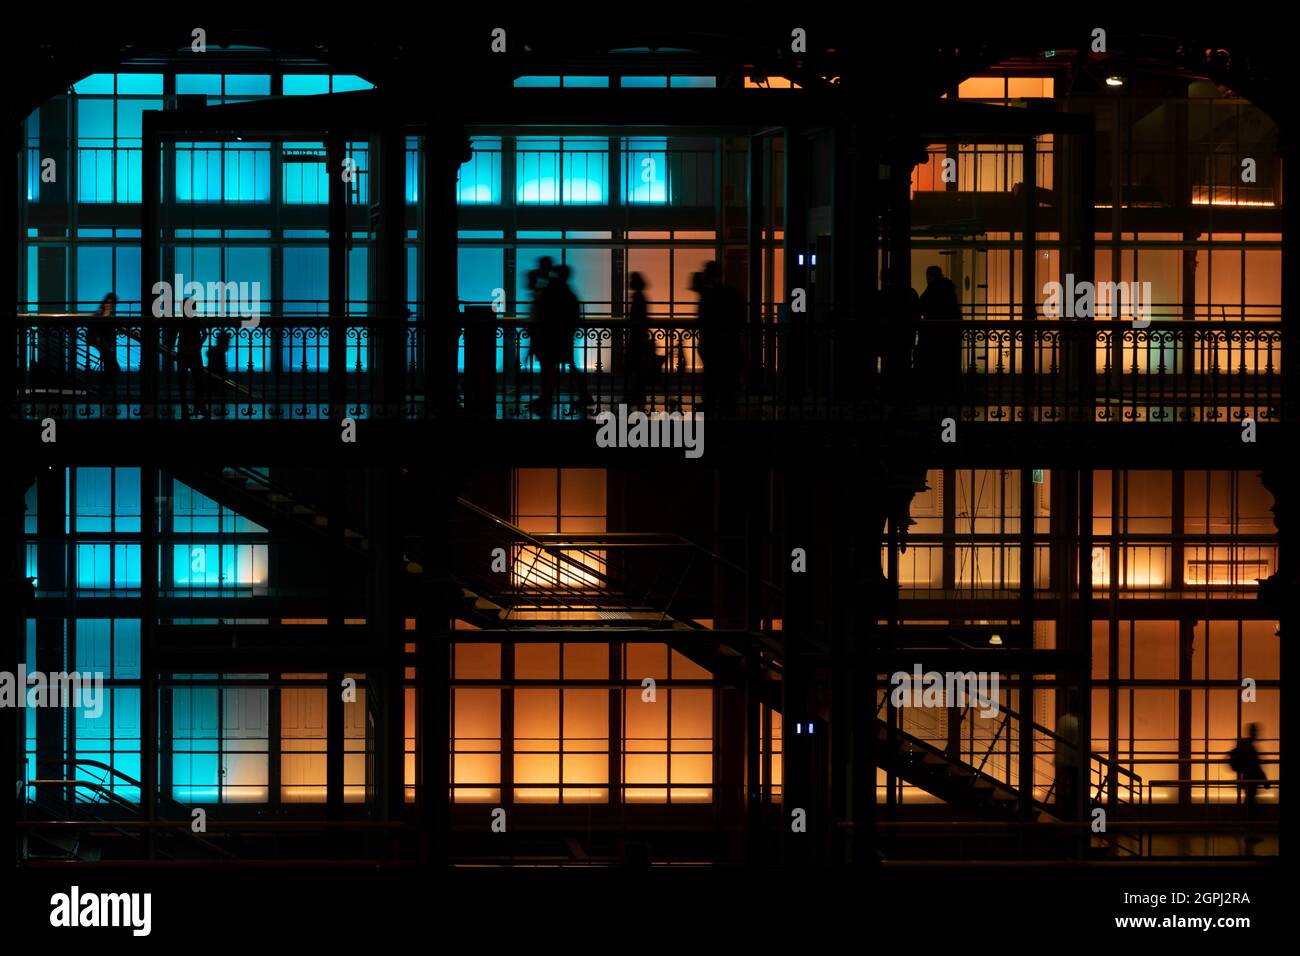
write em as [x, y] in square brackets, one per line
[660, 452]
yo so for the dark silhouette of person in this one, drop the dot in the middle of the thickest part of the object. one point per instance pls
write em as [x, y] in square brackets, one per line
[562, 318]
[189, 360]
[541, 335]
[721, 322]
[1244, 761]
[938, 349]
[217, 353]
[1069, 758]
[102, 334]
[641, 359]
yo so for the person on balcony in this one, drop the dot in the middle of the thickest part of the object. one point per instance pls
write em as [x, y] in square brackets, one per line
[217, 353]
[541, 334]
[938, 350]
[641, 360]
[567, 311]
[189, 360]
[102, 334]
[561, 321]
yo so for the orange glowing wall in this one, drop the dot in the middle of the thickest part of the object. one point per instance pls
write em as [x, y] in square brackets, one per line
[556, 739]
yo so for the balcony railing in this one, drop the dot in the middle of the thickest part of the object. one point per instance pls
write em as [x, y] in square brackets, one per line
[312, 368]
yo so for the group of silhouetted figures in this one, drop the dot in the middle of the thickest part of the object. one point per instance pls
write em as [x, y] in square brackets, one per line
[557, 319]
[921, 341]
[920, 344]
[184, 341]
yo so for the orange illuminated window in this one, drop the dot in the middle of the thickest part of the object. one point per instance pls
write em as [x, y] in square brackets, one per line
[302, 745]
[561, 745]
[552, 503]
[476, 744]
[357, 782]
[667, 730]
[651, 702]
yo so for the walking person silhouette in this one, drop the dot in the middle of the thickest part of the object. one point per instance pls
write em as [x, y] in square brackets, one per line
[641, 360]
[541, 334]
[1244, 761]
[102, 334]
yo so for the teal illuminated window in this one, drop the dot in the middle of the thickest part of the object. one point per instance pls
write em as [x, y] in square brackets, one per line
[316, 84]
[554, 82]
[107, 566]
[645, 170]
[108, 109]
[479, 180]
[109, 646]
[220, 744]
[32, 129]
[204, 561]
[306, 181]
[223, 172]
[412, 169]
[195, 513]
[568, 171]
[206, 564]
[106, 499]
[110, 734]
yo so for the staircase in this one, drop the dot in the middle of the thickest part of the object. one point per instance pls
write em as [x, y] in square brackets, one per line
[83, 809]
[980, 775]
[254, 495]
[554, 581]
[518, 582]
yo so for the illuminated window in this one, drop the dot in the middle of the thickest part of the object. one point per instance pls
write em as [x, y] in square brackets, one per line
[302, 745]
[568, 171]
[770, 769]
[561, 738]
[108, 108]
[109, 733]
[556, 502]
[562, 735]
[223, 172]
[1007, 88]
[312, 84]
[645, 170]
[479, 181]
[219, 744]
[667, 741]
[358, 783]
